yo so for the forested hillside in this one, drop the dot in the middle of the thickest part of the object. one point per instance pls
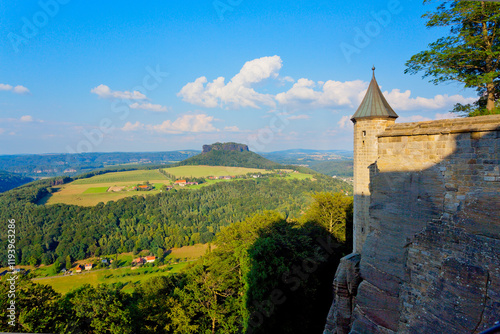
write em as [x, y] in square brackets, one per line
[230, 154]
[12, 180]
[175, 218]
[266, 274]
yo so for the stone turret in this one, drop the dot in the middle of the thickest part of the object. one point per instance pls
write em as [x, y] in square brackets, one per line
[373, 116]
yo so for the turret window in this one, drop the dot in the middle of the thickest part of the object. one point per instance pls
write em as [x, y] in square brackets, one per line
[364, 133]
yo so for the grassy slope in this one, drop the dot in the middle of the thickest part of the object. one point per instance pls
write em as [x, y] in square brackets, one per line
[131, 277]
[205, 171]
[90, 191]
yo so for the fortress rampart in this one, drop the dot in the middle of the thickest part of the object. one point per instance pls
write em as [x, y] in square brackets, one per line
[427, 233]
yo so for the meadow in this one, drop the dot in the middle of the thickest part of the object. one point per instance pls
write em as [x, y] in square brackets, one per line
[205, 171]
[175, 261]
[96, 189]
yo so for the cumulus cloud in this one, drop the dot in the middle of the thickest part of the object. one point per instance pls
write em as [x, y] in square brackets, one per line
[329, 94]
[129, 126]
[26, 118]
[183, 124]
[403, 101]
[413, 118]
[148, 106]
[238, 92]
[345, 122]
[305, 94]
[186, 123]
[17, 89]
[445, 115]
[106, 92]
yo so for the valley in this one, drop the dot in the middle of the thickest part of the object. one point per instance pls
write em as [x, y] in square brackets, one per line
[117, 185]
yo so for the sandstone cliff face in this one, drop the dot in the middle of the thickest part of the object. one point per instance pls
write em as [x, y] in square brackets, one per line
[430, 262]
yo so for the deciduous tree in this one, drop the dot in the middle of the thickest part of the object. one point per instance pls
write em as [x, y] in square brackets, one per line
[470, 54]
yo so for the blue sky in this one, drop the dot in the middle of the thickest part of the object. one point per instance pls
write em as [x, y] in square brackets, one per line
[103, 76]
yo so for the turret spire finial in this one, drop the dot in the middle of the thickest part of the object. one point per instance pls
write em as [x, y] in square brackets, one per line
[373, 69]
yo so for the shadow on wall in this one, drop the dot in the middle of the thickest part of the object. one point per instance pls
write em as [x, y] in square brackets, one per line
[430, 261]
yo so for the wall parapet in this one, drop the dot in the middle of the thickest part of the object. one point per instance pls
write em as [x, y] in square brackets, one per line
[445, 126]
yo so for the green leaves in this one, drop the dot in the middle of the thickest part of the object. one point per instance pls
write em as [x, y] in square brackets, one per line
[470, 55]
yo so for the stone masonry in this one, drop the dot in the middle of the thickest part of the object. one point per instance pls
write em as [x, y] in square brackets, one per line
[427, 227]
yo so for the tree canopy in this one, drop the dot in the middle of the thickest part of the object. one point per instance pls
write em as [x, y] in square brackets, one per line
[470, 54]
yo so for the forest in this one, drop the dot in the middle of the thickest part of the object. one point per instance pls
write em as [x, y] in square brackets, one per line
[266, 274]
[172, 219]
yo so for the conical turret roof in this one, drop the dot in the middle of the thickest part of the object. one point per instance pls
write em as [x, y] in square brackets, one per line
[374, 103]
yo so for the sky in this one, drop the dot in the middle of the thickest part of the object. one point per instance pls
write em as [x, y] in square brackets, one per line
[128, 76]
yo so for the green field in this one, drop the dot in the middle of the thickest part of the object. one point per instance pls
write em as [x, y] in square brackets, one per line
[117, 177]
[96, 190]
[178, 258]
[205, 171]
[117, 185]
[64, 284]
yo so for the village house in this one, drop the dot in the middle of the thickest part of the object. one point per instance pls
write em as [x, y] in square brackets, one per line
[150, 259]
[139, 260]
[88, 266]
[181, 183]
[192, 183]
[79, 269]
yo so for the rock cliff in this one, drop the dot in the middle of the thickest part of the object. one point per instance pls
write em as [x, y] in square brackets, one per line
[430, 262]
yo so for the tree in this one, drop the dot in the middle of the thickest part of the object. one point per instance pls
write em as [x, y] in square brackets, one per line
[331, 211]
[68, 262]
[57, 267]
[470, 55]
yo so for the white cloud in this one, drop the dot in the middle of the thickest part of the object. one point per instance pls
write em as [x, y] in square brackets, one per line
[237, 92]
[345, 121]
[106, 92]
[305, 94]
[403, 101]
[17, 89]
[5, 87]
[26, 118]
[183, 124]
[445, 115]
[186, 123]
[331, 94]
[420, 118]
[233, 128]
[129, 126]
[148, 106]
[413, 118]
[299, 117]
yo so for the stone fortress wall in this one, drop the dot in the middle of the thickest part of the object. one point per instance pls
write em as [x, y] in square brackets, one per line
[427, 229]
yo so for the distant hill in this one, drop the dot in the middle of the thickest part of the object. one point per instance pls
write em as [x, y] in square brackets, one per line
[49, 165]
[328, 162]
[12, 180]
[230, 154]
